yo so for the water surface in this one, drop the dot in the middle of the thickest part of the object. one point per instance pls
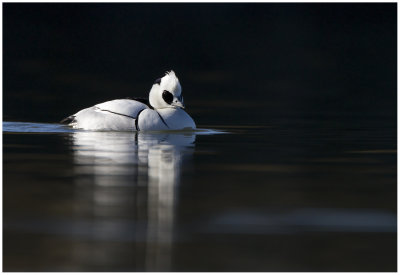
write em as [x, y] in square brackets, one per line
[298, 195]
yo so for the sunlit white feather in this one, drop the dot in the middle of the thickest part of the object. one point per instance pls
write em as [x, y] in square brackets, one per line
[121, 114]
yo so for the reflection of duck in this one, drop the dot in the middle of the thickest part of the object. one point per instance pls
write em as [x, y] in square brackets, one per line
[134, 177]
[163, 111]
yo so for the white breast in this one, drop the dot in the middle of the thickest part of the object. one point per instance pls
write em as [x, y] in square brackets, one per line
[150, 120]
[165, 119]
[177, 119]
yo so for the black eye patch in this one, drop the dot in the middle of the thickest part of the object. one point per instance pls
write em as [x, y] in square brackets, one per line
[167, 96]
[158, 81]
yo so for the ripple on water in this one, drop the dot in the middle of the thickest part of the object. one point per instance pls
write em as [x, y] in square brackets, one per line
[30, 127]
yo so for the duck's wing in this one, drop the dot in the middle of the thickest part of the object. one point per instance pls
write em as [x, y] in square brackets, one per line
[118, 115]
[124, 107]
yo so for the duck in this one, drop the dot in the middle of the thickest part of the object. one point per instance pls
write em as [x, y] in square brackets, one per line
[163, 110]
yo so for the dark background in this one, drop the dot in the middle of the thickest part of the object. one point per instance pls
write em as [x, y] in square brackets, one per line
[305, 178]
[237, 63]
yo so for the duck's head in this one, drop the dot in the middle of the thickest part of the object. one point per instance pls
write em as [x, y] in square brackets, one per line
[166, 92]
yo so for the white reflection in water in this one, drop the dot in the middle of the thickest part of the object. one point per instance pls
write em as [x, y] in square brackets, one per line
[133, 173]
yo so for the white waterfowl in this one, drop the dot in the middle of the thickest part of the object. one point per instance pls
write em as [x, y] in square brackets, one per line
[163, 111]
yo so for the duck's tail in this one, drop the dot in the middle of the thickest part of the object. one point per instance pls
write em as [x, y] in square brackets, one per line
[68, 120]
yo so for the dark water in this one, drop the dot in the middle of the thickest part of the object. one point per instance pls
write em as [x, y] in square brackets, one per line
[281, 197]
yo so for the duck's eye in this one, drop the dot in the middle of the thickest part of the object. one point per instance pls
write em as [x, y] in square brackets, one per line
[167, 96]
[158, 81]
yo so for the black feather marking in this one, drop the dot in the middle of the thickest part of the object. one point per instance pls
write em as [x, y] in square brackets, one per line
[167, 96]
[68, 120]
[137, 121]
[157, 81]
[116, 113]
[162, 120]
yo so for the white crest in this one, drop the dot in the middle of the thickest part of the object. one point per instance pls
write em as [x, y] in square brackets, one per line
[169, 83]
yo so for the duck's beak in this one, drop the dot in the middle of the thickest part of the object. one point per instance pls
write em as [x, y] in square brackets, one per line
[178, 103]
